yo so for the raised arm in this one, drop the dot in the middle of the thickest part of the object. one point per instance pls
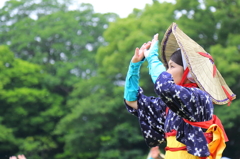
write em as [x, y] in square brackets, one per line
[155, 66]
[132, 78]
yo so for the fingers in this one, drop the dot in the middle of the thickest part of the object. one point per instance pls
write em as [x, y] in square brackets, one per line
[155, 38]
[147, 46]
[136, 51]
[136, 55]
[143, 47]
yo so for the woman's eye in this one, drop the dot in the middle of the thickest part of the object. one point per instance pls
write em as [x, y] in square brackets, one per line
[172, 66]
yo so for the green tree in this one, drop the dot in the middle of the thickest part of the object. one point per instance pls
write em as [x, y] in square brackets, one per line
[63, 43]
[28, 110]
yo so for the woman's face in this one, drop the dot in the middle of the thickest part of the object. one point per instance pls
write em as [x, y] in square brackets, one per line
[176, 71]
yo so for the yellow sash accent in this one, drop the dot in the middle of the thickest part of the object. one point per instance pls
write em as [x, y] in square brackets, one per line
[217, 146]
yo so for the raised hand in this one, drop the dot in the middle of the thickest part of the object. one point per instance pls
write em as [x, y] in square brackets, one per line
[139, 53]
[154, 40]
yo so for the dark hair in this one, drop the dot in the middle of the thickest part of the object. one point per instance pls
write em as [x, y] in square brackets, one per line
[177, 57]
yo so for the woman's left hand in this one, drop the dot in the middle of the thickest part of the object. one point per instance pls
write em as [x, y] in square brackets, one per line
[154, 40]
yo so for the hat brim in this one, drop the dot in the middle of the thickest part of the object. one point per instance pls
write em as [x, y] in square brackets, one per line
[201, 68]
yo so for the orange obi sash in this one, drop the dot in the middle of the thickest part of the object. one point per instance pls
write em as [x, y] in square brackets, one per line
[215, 135]
[207, 124]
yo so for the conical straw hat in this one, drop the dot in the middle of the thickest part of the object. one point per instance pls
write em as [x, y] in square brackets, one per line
[201, 67]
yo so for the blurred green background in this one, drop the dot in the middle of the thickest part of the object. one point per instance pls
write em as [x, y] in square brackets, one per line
[62, 74]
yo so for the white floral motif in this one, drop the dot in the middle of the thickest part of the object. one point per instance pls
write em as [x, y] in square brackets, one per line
[192, 118]
[159, 85]
[201, 109]
[196, 132]
[177, 118]
[160, 128]
[207, 99]
[191, 137]
[143, 123]
[149, 121]
[164, 76]
[150, 109]
[199, 139]
[175, 127]
[167, 90]
[181, 109]
[196, 113]
[141, 113]
[155, 101]
[192, 98]
[168, 99]
[190, 109]
[177, 94]
[189, 148]
[145, 100]
[207, 154]
[170, 82]
[148, 134]
[197, 152]
[160, 120]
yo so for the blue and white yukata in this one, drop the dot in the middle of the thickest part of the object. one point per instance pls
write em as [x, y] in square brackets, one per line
[192, 104]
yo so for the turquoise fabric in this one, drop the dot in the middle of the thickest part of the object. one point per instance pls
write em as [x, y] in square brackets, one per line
[155, 66]
[132, 80]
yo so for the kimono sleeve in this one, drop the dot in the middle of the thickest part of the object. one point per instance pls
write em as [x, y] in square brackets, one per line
[151, 115]
[190, 103]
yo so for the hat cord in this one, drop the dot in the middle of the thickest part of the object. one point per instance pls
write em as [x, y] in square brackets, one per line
[214, 74]
[184, 78]
[210, 57]
[228, 95]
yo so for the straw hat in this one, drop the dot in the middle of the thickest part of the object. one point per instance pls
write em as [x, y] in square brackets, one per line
[200, 64]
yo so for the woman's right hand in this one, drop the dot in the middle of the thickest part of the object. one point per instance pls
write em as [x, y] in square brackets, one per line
[139, 53]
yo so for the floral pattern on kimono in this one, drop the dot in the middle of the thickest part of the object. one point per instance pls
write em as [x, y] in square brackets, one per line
[192, 104]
